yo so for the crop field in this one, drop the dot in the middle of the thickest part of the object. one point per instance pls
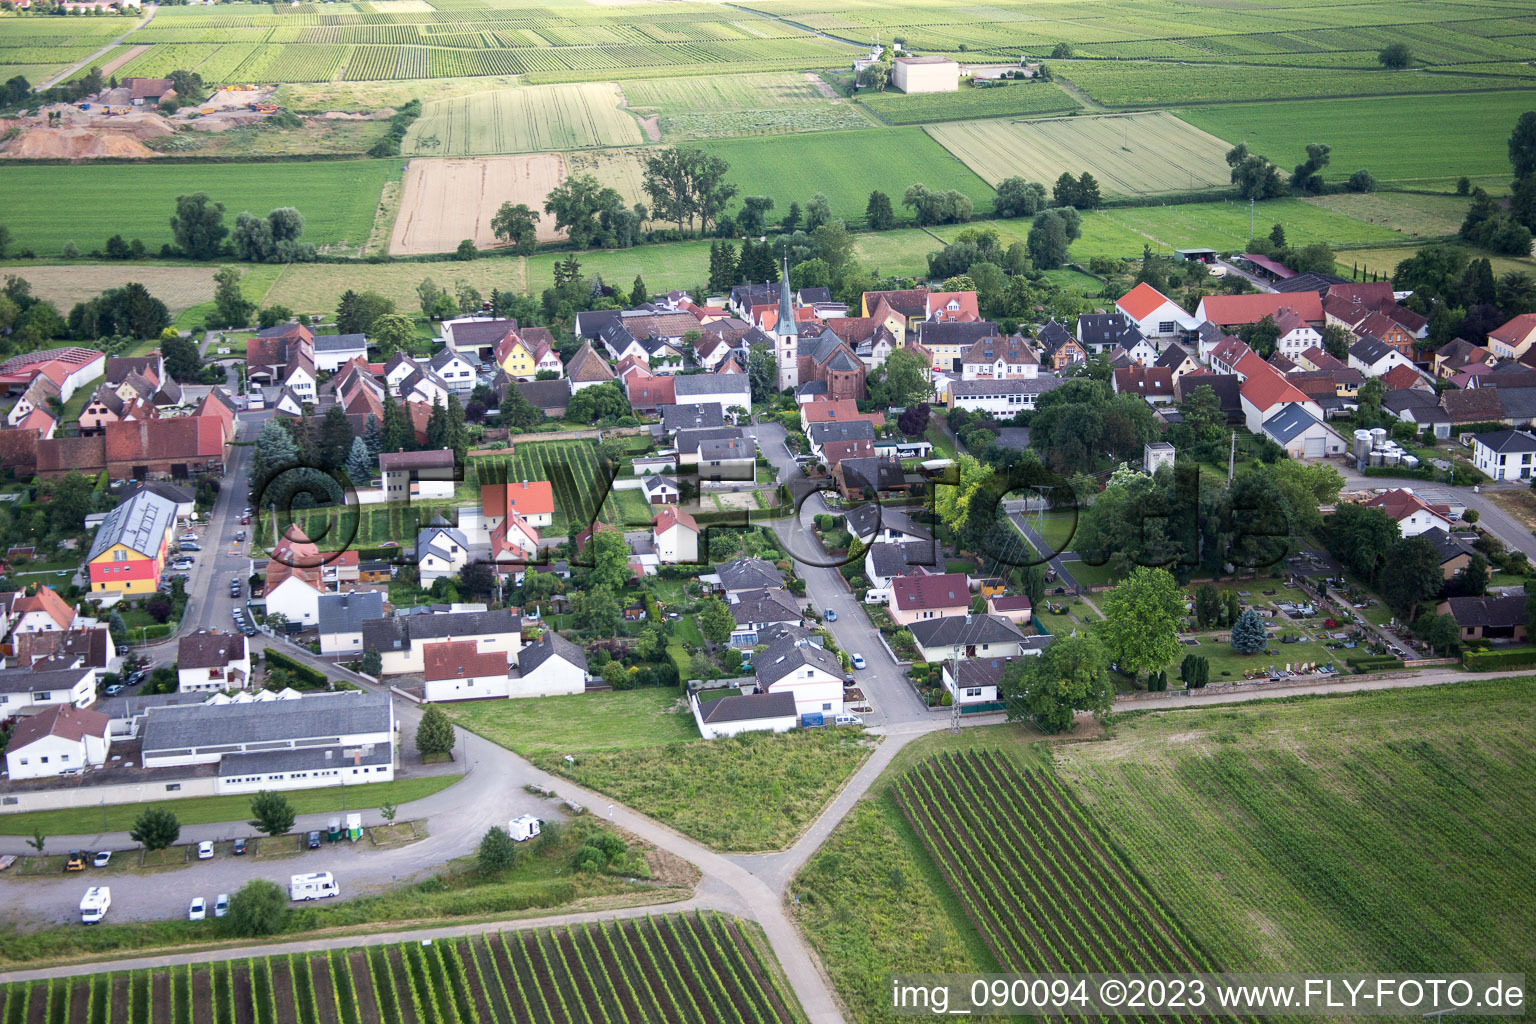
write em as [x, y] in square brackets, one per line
[713, 106]
[571, 466]
[1412, 810]
[310, 288]
[444, 201]
[1134, 154]
[674, 265]
[1018, 99]
[1125, 84]
[529, 119]
[1045, 889]
[64, 285]
[87, 204]
[1417, 216]
[846, 166]
[1397, 139]
[622, 170]
[681, 967]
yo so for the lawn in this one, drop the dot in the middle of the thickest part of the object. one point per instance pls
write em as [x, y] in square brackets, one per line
[756, 791]
[846, 166]
[317, 287]
[87, 203]
[1224, 225]
[213, 810]
[1415, 215]
[674, 265]
[1397, 139]
[580, 724]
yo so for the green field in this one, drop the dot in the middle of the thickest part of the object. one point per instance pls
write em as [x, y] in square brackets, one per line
[1305, 835]
[1384, 261]
[712, 106]
[317, 287]
[580, 724]
[846, 166]
[997, 101]
[1413, 214]
[1129, 154]
[1398, 139]
[1225, 225]
[674, 265]
[529, 119]
[88, 203]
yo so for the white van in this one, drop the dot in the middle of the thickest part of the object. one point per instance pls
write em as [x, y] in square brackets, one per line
[94, 904]
[313, 886]
[524, 828]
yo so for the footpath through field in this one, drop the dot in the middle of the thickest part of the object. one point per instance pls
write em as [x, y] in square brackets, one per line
[149, 15]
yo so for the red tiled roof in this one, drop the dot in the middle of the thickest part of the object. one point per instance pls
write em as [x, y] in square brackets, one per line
[528, 498]
[63, 720]
[834, 452]
[647, 391]
[671, 516]
[1144, 380]
[1400, 503]
[48, 601]
[1142, 301]
[1266, 387]
[1250, 309]
[943, 590]
[1399, 377]
[842, 410]
[1322, 360]
[461, 659]
[1512, 332]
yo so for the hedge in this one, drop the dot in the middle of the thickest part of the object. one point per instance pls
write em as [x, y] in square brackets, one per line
[280, 660]
[1373, 663]
[1488, 661]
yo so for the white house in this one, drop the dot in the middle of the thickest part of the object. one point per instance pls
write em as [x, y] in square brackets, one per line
[1412, 513]
[425, 386]
[23, 688]
[728, 460]
[659, 490]
[752, 712]
[1303, 435]
[418, 476]
[1155, 314]
[300, 378]
[454, 370]
[795, 665]
[1505, 454]
[341, 617]
[1374, 357]
[977, 681]
[401, 639]
[61, 740]
[549, 666]
[925, 74]
[441, 550]
[399, 367]
[209, 661]
[295, 598]
[42, 612]
[458, 670]
[728, 390]
[333, 351]
[676, 536]
[1296, 335]
[967, 636]
[756, 610]
[1006, 398]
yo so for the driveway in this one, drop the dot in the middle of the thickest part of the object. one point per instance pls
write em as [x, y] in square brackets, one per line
[1515, 534]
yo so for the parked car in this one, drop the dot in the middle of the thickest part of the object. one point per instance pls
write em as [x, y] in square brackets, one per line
[858, 661]
[221, 905]
[114, 689]
[198, 910]
[238, 848]
[102, 859]
[239, 535]
[831, 615]
[847, 720]
[76, 861]
[245, 520]
[313, 841]
[205, 850]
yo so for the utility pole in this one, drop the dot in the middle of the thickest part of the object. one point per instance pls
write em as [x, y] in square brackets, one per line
[1232, 459]
[1250, 218]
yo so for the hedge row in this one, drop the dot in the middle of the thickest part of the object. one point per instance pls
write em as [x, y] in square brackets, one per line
[280, 660]
[1374, 663]
[1488, 661]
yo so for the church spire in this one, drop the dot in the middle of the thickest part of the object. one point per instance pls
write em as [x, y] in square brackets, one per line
[786, 325]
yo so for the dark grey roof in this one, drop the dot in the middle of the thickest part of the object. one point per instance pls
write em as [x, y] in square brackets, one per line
[434, 536]
[1052, 336]
[1507, 441]
[1448, 547]
[479, 333]
[548, 646]
[1489, 611]
[206, 725]
[1289, 422]
[891, 560]
[954, 332]
[1174, 355]
[653, 485]
[591, 323]
[954, 630]
[346, 613]
[807, 296]
[1021, 386]
[1517, 403]
[865, 519]
[880, 474]
[767, 605]
[309, 759]
[748, 574]
[749, 295]
[1424, 405]
[788, 654]
[1108, 329]
[708, 384]
[442, 357]
[689, 440]
[209, 650]
[397, 633]
[811, 387]
[341, 343]
[727, 448]
[170, 492]
[140, 524]
[832, 430]
[979, 671]
[132, 707]
[691, 416]
[1369, 350]
[750, 707]
[1311, 281]
[546, 394]
[26, 680]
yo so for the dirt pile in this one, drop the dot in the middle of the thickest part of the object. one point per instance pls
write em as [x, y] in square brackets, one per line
[74, 144]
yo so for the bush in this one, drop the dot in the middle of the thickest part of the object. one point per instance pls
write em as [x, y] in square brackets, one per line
[302, 674]
[155, 828]
[497, 851]
[271, 813]
[1375, 663]
[1488, 661]
[257, 908]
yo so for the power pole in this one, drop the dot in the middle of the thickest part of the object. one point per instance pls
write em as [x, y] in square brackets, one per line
[954, 707]
[1232, 459]
[1250, 218]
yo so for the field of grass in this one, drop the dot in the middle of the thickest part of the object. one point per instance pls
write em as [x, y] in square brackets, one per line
[527, 119]
[1417, 216]
[755, 791]
[581, 724]
[1395, 138]
[997, 101]
[1224, 225]
[712, 106]
[1384, 261]
[213, 810]
[677, 264]
[317, 287]
[847, 166]
[1134, 154]
[90, 202]
[66, 284]
[1140, 84]
[368, 96]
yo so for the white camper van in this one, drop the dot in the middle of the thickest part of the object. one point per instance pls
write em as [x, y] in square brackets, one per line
[313, 886]
[524, 828]
[94, 904]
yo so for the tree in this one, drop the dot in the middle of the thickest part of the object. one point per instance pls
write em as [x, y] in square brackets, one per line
[1361, 181]
[812, 273]
[1207, 606]
[388, 812]
[434, 735]
[155, 828]
[1522, 145]
[273, 238]
[1141, 627]
[1305, 178]
[1019, 198]
[716, 621]
[1441, 632]
[335, 437]
[396, 432]
[271, 316]
[466, 250]
[271, 813]
[1411, 574]
[577, 202]
[603, 402]
[38, 841]
[818, 211]
[638, 294]
[517, 225]
[1254, 176]
[198, 226]
[497, 852]
[231, 307]
[762, 374]
[356, 313]
[1088, 196]
[1048, 240]
[752, 218]
[878, 213]
[1068, 677]
[257, 908]
[1249, 635]
[597, 610]
[1336, 341]
[373, 662]
[903, 379]
[1396, 56]
[610, 559]
[913, 420]
[1472, 580]
[359, 464]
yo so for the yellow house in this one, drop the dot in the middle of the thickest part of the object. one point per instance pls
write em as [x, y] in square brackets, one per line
[130, 546]
[515, 357]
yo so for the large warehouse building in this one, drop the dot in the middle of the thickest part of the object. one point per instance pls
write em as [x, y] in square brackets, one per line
[925, 74]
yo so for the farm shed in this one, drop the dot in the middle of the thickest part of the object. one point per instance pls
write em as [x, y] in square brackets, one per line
[925, 74]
